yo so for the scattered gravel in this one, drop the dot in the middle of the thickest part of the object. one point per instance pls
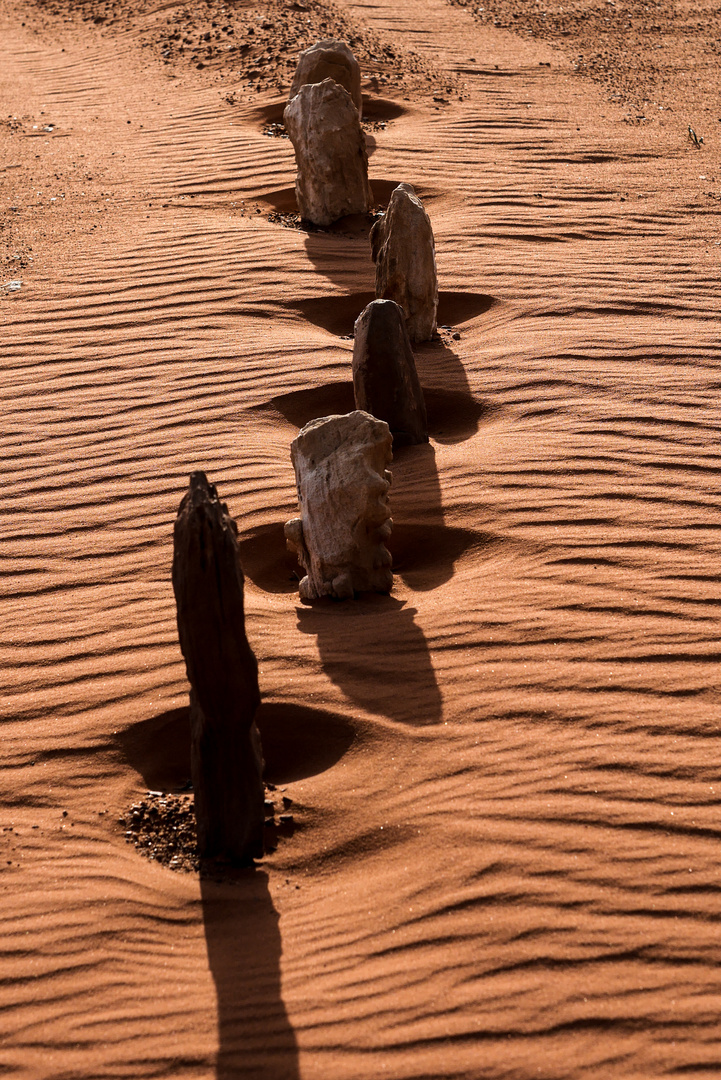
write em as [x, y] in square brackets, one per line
[162, 827]
[638, 50]
[257, 43]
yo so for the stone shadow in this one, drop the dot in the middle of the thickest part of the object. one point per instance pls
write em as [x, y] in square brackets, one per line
[416, 489]
[375, 109]
[453, 415]
[255, 1037]
[425, 555]
[351, 265]
[372, 649]
[377, 112]
[298, 741]
[337, 314]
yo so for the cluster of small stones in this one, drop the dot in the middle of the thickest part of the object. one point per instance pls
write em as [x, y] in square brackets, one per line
[275, 131]
[162, 827]
[293, 220]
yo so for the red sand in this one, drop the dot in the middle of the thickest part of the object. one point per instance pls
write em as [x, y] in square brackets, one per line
[505, 776]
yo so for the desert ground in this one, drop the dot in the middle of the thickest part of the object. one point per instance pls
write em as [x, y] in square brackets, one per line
[500, 847]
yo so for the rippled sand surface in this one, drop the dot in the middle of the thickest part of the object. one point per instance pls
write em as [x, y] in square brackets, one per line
[505, 776]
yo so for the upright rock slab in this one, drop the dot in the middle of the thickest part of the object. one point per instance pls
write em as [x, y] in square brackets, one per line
[330, 153]
[385, 380]
[226, 760]
[404, 252]
[329, 59]
[342, 478]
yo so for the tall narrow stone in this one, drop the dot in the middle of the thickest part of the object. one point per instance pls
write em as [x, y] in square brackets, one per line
[342, 478]
[329, 59]
[385, 380]
[404, 252]
[226, 759]
[330, 153]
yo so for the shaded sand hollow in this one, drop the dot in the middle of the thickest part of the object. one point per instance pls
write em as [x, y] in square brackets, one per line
[504, 777]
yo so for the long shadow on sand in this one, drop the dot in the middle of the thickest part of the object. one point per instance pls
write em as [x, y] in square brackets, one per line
[374, 651]
[255, 1037]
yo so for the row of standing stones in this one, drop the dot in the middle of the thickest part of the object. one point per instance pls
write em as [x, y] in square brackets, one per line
[340, 462]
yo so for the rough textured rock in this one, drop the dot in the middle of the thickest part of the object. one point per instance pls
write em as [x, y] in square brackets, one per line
[342, 480]
[330, 153]
[385, 380]
[226, 760]
[405, 256]
[329, 59]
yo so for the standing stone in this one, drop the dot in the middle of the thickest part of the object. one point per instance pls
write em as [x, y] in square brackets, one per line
[329, 59]
[342, 480]
[330, 153]
[226, 760]
[405, 256]
[385, 380]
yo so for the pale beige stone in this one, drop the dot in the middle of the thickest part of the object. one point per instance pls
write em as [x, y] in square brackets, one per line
[330, 153]
[342, 479]
[404, 252]
[329, 59]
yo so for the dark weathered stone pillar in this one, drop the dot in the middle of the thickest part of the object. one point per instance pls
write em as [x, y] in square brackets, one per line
[226, 759]
[385, 380]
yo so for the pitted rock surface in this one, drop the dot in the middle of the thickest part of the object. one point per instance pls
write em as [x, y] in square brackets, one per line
[385, 380]
[330, 153]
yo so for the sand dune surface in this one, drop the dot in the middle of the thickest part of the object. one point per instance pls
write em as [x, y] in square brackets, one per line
[503, 777]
